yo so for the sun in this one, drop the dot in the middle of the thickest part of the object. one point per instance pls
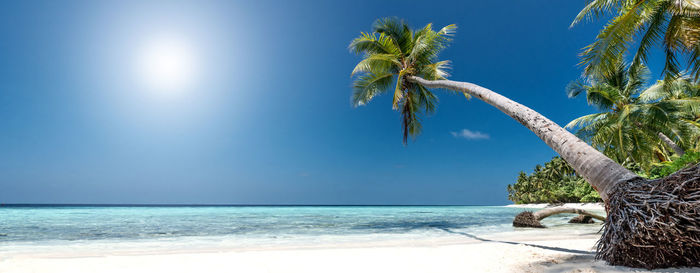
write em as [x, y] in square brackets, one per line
[167, 64]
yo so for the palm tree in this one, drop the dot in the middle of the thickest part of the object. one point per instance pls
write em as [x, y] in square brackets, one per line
[629, 127]
[394, 53]
[673, 23]
[682, 94]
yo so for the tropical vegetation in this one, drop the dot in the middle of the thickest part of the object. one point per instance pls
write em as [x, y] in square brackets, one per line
[648, 220]
[637, 124]
[650, 130]
[555, 182]
[666, 168]
[672, 24]
[392, 53]
[395, 53]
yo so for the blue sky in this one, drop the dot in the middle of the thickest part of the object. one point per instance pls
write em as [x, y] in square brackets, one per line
[268, 119]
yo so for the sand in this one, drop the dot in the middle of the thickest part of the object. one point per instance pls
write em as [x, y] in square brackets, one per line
[529, 251]
[560, 248]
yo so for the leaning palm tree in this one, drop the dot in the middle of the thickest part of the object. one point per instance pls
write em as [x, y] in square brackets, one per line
[395, 55]
[675, 24]
[629, 127]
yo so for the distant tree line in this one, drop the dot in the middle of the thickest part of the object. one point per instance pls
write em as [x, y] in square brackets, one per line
[555, 182]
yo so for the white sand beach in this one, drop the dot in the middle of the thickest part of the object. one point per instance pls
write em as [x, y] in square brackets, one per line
[544, 250]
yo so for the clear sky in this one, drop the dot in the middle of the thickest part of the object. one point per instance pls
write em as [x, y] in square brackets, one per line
[248, 102]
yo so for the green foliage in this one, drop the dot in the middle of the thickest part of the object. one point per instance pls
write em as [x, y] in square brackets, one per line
[556, 182]
[391, 53]
[672, 24]
[664, 169]
[631, 117]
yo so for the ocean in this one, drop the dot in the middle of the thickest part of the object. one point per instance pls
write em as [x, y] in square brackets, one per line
[30, 227]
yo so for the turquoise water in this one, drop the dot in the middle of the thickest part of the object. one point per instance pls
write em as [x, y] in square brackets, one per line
[249, 225]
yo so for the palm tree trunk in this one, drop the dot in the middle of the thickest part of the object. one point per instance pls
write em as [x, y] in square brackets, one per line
[650, 223]
[599, 170]
[678, 150]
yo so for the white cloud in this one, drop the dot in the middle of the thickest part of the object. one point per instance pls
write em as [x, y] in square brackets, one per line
[469, 134]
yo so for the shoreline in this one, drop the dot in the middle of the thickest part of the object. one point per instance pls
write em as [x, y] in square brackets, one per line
[585, 206]
[418, 242]
[462, 253]
[526, 250]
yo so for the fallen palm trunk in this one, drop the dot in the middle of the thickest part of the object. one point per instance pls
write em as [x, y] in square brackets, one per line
[530, 219]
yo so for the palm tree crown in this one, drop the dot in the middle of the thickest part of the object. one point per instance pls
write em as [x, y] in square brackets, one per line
[391, 53]
[674, 24]
[614, 130]
[631, 116]
[680, 98]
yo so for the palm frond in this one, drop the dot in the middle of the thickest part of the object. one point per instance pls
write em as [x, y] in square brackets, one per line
[596, 8]
[653, 93]
[409, 116]
[372, 44]
[426, 99]
[602, 96]
[368, 86]
[398, 91]
[428, 43]
[435, 71]
[378, 64]
[575, 88]
[585, 120]
[635, 78]
[448, 30]
[672, 43]
[395, 28]
[654, 31]
[612, 42]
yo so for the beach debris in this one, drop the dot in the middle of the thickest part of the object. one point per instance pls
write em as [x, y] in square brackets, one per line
[532, 219]
[526, 219]
[581, 219]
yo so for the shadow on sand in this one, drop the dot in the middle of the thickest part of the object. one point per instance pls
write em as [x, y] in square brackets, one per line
[583, 261]
[573, 251]
[586, 263]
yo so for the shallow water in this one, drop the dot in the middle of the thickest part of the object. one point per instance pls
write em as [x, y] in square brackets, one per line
[252, 225]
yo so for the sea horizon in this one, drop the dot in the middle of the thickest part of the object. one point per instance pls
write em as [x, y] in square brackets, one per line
[230, 205]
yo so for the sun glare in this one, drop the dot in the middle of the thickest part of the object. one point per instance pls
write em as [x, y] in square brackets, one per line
[167, 65]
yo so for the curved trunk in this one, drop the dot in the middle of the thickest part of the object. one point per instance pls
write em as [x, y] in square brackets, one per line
[544, 213]
[532, 219]
[599, 170]
[678, 150]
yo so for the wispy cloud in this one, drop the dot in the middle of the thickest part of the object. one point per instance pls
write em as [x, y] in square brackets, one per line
[469, 134]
